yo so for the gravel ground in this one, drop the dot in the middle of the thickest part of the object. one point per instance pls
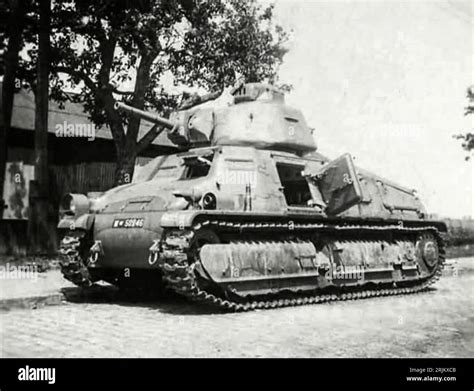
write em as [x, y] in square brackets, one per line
[437, 323]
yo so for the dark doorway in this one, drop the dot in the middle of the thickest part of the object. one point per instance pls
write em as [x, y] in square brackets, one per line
[295, 186]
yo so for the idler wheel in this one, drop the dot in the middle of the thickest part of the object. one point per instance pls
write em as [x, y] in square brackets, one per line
[428, 250]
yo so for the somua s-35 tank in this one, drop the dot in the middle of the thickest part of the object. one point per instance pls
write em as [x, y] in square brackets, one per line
[248, 215]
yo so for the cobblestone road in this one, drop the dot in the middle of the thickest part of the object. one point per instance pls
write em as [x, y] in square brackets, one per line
[438, 323]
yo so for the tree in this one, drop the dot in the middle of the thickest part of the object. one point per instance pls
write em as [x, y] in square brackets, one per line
[42, 233]
[11, 40]
[103, 46]
[468, 137]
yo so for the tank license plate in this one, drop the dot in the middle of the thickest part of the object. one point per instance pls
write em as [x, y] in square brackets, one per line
[128, 223]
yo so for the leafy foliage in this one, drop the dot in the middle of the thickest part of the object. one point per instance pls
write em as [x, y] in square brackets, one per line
[238, 38]
[468, 138]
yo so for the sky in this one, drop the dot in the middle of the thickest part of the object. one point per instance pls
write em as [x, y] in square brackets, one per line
[386, 81]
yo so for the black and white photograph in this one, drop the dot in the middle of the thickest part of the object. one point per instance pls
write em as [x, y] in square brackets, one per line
[237, 179]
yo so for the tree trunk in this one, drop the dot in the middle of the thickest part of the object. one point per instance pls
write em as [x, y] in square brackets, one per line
[126, 158]
[43, 233]
[15, 31]
[126, 144]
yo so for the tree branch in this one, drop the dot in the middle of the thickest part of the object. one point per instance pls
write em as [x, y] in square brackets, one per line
[115, 90]
[107, 50]
[148, 138]
[76, 73]
[141, 84]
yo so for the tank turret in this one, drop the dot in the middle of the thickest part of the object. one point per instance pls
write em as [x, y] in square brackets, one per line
[254, 114]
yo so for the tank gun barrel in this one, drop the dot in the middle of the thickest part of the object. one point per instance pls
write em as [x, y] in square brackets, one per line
[156, 119]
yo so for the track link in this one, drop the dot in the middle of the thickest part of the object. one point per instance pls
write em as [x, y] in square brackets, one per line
[178, 269]
[71, 263]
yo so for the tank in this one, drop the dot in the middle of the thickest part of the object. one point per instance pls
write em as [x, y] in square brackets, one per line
[247, 214]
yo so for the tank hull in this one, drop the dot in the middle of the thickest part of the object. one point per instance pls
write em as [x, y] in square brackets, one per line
[240, 227]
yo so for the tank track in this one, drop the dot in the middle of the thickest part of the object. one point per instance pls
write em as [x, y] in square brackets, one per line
[72, 266]
[180, 277]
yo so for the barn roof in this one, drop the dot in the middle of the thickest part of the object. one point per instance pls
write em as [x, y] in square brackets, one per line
[23, 117]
